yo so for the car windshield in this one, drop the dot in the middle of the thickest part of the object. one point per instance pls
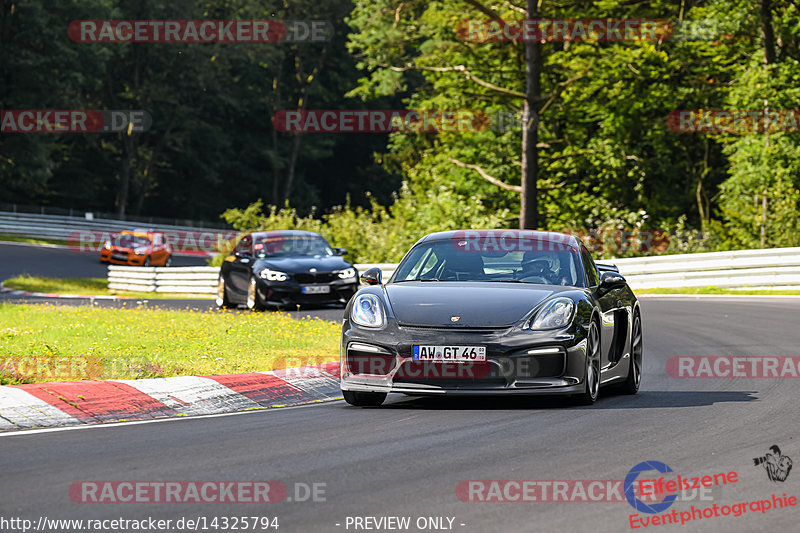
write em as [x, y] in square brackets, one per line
[291, 245]
[550, 264]
[126, 240]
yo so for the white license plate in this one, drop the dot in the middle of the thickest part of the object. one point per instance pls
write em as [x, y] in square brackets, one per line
[458, 354]
[316, 289]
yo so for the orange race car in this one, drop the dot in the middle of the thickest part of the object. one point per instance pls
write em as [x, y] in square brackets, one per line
[137, 248]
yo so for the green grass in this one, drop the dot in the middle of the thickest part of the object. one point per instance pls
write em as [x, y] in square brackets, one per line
[60, 343]
[31, 240]
[82, 286]
[713, 290]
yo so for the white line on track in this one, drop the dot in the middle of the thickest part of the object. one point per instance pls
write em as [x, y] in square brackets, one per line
[157, 420]
[35, 245]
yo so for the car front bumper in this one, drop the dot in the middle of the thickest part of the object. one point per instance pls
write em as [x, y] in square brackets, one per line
[290, 292]
[122, 258]
[518, 361]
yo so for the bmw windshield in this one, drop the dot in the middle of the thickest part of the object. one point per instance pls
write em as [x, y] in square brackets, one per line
[127, 240]
[449, 260]
[292, 246]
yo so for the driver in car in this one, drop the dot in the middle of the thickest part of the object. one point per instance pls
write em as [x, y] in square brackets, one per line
[537, 268]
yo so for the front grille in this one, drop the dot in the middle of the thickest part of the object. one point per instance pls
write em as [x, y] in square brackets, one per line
[483, 374]
[319, 277]
[369, 363]
[548, 365]
[451, 329]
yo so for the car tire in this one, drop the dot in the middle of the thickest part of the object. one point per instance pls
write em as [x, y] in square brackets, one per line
[254, 302]
[223, 302]
[591, 388]
[364, 399]
[168, 261]
[634, 378]
[146, 261]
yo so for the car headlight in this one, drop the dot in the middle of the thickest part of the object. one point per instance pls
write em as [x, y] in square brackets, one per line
[140, 251]
[273, 275]
[367, 311]
[555, 314]
[347, 273]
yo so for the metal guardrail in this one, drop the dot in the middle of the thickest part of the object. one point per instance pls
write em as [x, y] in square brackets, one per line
[61, 227]
[132, 220]
[745, 269]
[769, 268]
[182, 280]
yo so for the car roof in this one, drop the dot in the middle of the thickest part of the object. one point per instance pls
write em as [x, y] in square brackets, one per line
[285, 233]
[140, 232]
[547, 236]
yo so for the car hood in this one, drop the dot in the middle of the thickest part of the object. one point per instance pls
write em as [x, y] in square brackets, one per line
[299, 264]
[477, 304]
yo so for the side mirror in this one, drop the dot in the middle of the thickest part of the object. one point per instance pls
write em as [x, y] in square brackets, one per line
[340, 251]
[372, 276]
[610, 280]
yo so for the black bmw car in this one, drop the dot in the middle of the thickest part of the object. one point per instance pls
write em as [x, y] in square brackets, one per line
[282, 268]
[492, 312]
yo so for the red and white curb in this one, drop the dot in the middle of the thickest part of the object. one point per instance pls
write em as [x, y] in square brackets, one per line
[85, 402]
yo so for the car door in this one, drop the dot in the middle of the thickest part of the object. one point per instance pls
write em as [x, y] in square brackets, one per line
[608, 306]
[159, 255]
[241, 266]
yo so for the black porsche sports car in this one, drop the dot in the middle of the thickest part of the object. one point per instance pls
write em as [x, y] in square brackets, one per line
[282, 268]
[492, 312]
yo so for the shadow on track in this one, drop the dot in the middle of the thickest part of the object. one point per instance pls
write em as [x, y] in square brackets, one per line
[643, 400]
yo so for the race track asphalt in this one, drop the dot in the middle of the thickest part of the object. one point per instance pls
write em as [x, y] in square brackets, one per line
[407, 457]
[16, 259]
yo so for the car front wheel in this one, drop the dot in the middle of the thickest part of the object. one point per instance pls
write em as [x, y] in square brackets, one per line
[631, 384]
[222, 294]
[592, 379]
[364, 399]
[254, 302]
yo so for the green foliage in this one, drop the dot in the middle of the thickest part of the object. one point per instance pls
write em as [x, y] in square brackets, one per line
[607, 158]
[377, 234]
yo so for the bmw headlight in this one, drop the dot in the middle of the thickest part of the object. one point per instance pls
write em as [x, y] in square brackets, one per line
[367, 311]
[273, 275]
[347, 273]
[140, 251]
[555, 314]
